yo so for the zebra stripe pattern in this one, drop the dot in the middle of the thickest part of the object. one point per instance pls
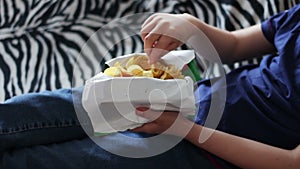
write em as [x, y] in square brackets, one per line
[51, 44]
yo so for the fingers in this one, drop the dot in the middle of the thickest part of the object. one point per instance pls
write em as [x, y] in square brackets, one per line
[164, 45]
[150, 127]
[161, 123]
[149, 25]
[150, 19]
[155, 31]
[157, 35]
[150, 43]
[157, 45]
[152, 31]
[147, 113]
[147, 128]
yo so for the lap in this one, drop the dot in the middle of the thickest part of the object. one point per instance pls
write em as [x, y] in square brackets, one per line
[41, 130]
[84, 153]
[39, 118]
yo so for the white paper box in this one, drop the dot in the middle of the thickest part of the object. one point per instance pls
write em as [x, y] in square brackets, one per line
[111, 101]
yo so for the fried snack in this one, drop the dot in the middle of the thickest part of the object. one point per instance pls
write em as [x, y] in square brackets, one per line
[141, 60]
[138, 66]
[171, 72]
[135, 70]
[158, 69]
[113, 71]
[117, 71]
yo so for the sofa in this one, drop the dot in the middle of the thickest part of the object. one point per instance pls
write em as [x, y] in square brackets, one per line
[48, 44]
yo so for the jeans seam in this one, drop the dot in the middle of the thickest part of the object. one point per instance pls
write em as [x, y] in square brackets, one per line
[35, 126]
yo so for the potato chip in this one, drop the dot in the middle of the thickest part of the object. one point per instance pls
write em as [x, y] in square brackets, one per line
[157, 70]
[113, 71]
[147, 73]
[141, 60]
[138, 66]
[172, 73]
[135, 70]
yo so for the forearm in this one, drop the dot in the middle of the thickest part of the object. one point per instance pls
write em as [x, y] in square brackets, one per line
[243, 152]
[237, 45]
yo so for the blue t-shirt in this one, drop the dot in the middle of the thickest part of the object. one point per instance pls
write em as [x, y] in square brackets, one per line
[263, 101]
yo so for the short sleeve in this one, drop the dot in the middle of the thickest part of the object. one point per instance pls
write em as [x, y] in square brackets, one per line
[281, 23]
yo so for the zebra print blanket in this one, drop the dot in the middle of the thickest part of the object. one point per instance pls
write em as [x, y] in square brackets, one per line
[51, 44]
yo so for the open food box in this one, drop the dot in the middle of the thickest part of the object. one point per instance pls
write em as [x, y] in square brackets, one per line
[110, 98]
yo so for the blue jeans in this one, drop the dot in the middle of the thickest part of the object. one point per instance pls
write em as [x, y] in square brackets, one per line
[41, 130]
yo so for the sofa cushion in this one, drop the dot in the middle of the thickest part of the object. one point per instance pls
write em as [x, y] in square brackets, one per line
[51, 44]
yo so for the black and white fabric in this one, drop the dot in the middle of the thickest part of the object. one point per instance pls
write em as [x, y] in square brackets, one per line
[51, 44]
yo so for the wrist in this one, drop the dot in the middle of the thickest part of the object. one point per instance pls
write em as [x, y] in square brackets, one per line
[193, 26]
[182, 127]
[193, 20]
[194, 134]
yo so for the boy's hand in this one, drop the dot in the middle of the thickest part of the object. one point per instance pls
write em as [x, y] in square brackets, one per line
[172, 123]
[162, 33]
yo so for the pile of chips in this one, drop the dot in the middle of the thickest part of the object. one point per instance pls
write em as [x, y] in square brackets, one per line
[138, 66]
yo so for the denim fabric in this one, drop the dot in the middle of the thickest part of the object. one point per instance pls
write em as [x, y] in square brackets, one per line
[41, 130]
[40, 118]
[85, 154]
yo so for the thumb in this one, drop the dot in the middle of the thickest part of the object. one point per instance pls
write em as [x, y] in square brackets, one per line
[148, 113]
